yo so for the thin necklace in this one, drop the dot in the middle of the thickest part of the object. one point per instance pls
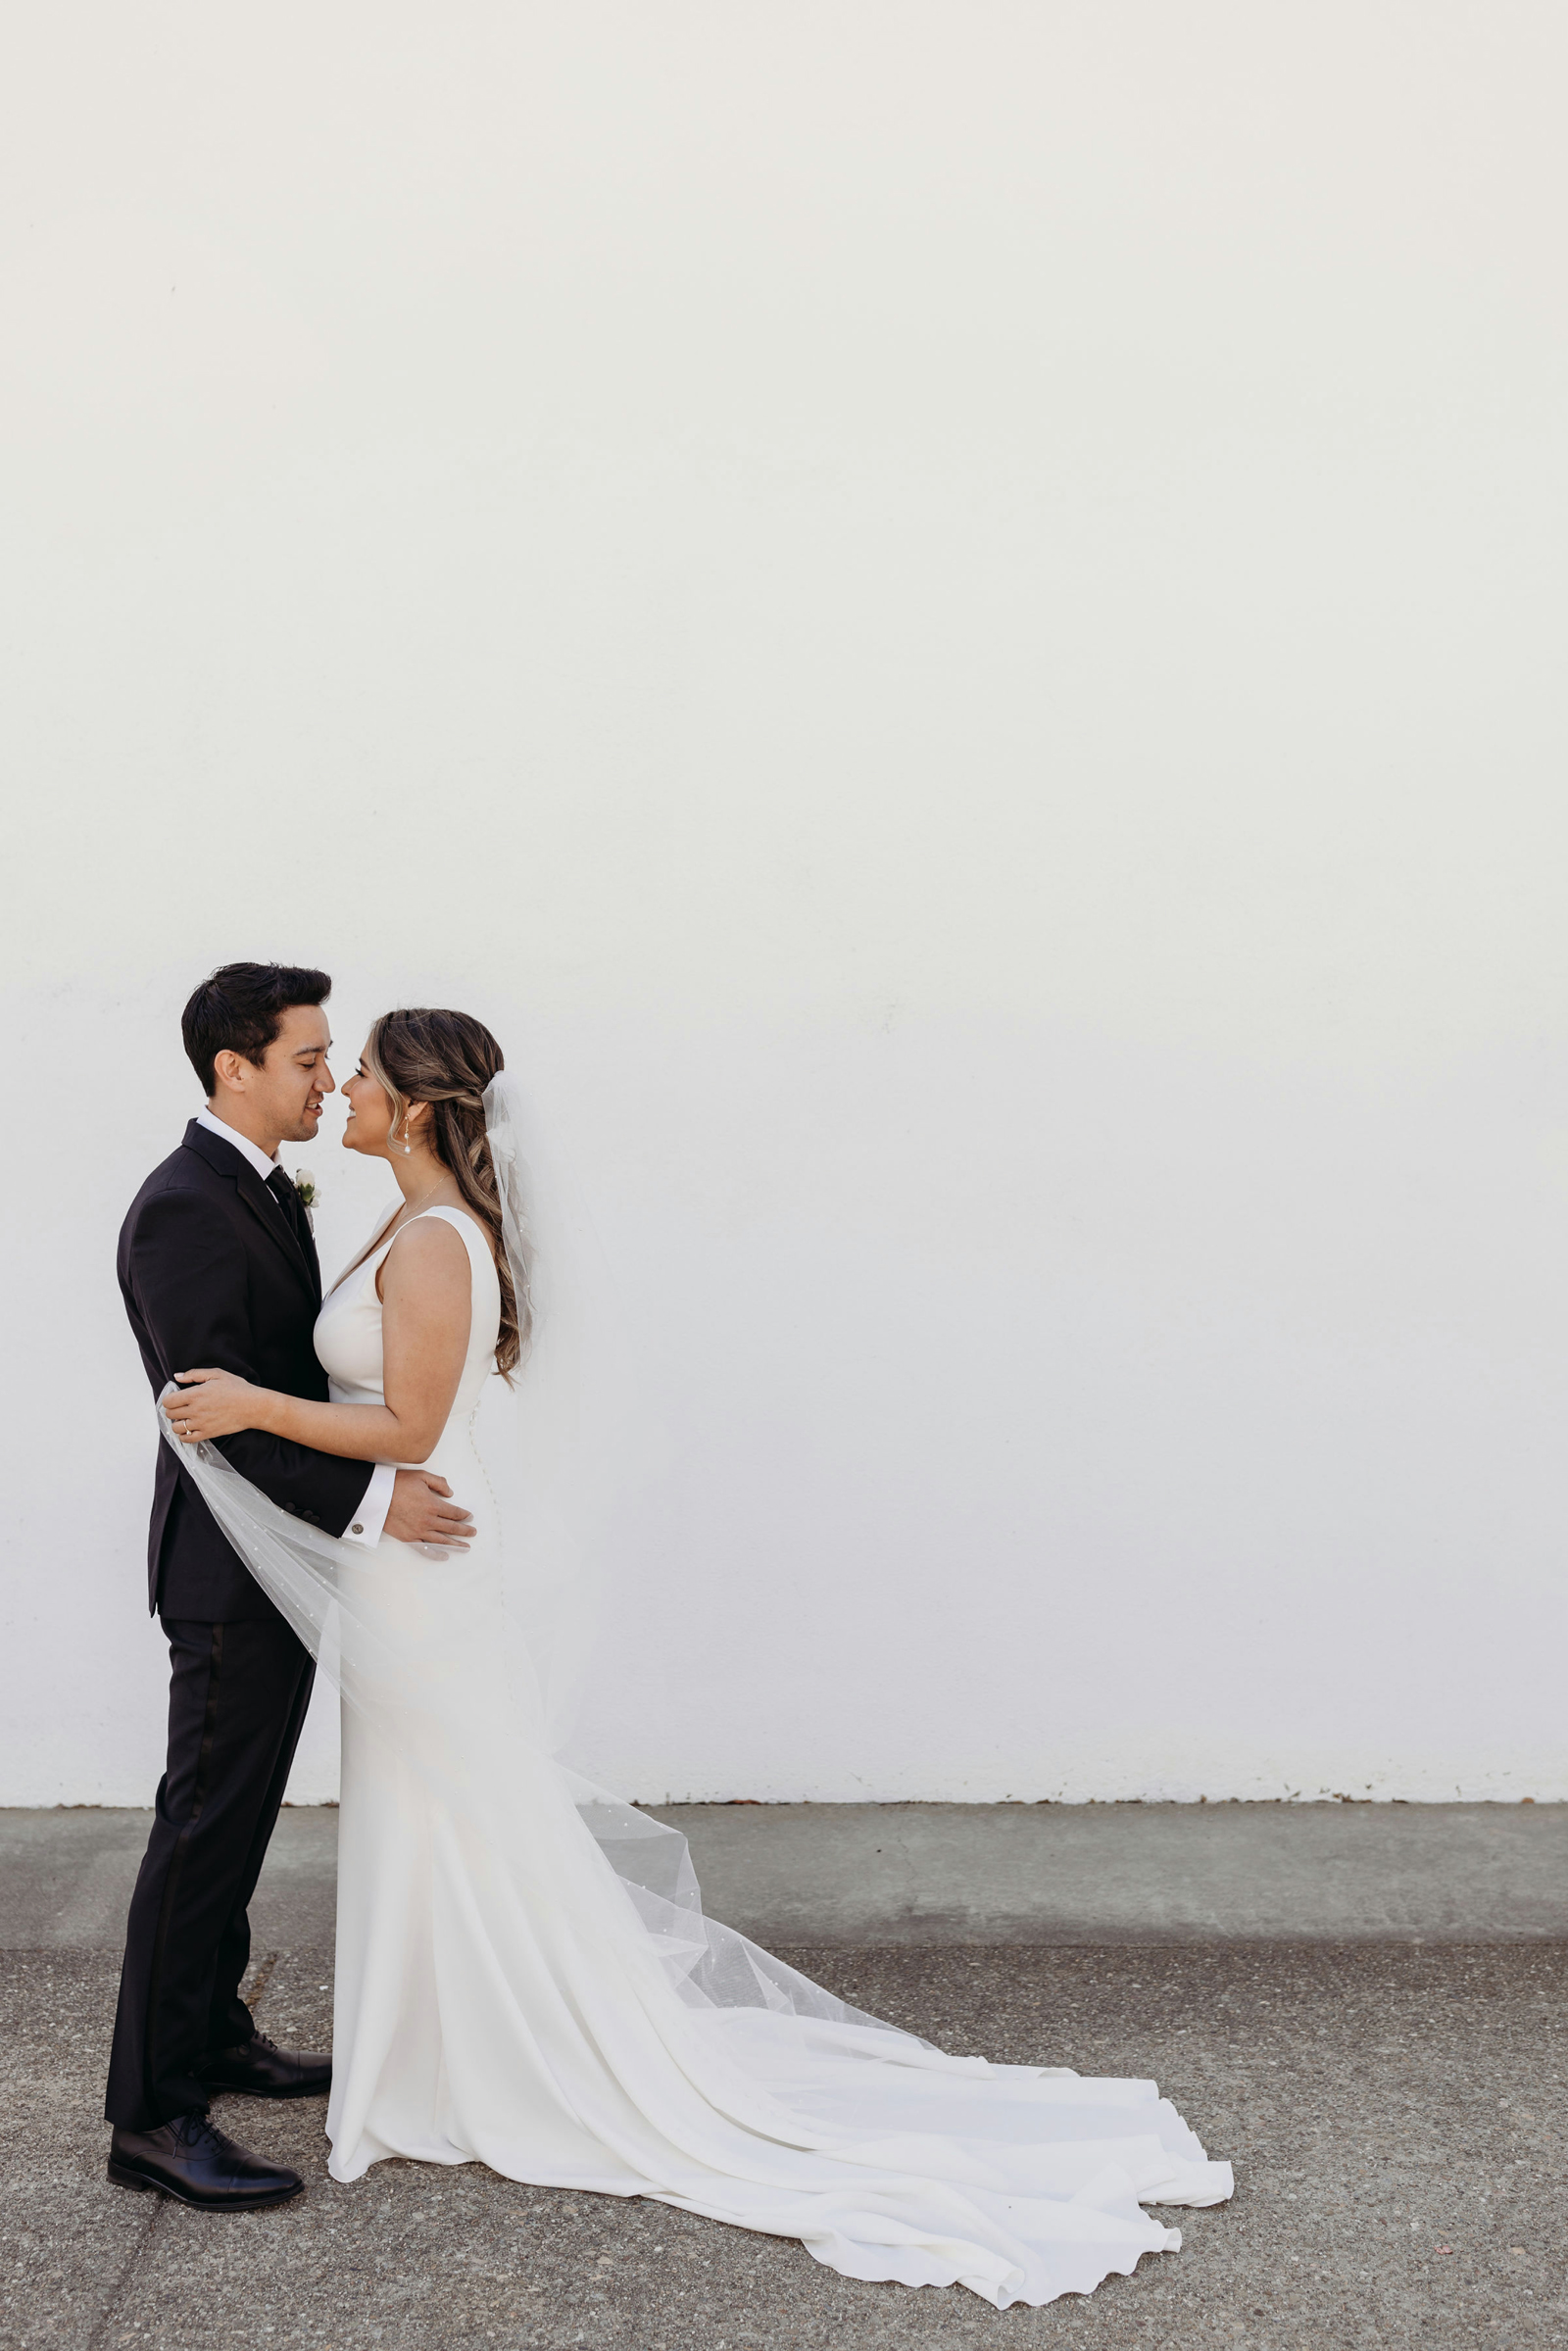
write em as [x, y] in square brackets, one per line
[384, 1236]
[419, 1204]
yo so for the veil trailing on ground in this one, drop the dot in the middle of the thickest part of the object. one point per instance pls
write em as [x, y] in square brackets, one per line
[572, 1424]
[573, 2017]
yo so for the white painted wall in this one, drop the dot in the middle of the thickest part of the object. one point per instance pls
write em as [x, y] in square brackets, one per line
[950, 617]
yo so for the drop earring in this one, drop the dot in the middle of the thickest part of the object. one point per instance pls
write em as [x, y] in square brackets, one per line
[406, 1145]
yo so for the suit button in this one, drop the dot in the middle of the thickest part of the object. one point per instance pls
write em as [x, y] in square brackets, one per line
[356, 1528]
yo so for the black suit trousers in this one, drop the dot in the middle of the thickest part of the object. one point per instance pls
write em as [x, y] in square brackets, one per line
[237, 1696]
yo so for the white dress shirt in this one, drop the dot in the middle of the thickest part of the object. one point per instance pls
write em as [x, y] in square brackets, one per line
[376, 1500]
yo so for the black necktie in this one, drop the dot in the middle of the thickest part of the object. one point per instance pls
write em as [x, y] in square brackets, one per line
[287, 1199]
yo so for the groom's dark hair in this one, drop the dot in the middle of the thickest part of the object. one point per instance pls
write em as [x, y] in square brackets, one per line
[239, 1009]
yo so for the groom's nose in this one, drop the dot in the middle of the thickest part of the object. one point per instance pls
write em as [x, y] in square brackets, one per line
[329, 1081]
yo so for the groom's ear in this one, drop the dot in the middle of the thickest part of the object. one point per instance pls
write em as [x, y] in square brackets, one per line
[229, 1069]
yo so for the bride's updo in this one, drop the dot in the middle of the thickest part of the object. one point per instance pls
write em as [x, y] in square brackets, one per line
[447, 1060]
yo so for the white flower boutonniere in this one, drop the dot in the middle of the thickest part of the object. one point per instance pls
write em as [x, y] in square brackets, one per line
[305, 1186]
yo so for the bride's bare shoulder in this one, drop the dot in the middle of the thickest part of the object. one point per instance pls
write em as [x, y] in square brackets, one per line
[427, 1257]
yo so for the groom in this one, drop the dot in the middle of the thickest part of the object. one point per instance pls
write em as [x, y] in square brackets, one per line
[216, 1265]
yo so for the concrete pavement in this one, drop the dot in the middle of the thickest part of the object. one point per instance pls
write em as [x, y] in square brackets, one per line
[1387, 2074]
[922, 1874]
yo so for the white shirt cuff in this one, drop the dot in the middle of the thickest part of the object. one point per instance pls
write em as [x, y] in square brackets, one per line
[364, 1529]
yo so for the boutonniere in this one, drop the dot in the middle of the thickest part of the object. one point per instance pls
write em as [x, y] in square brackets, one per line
[305, 1186]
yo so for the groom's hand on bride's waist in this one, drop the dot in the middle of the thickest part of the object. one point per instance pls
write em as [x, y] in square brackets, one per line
[424, 1511]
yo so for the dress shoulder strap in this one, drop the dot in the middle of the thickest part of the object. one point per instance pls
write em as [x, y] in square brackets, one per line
[473, 1233]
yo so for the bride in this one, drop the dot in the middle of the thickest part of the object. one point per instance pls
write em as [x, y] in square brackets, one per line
[524, 1977]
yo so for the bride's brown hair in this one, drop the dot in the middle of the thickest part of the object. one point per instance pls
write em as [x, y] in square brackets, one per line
[447, 1060]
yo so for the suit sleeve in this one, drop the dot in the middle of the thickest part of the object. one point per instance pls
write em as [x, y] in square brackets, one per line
[189, 1276]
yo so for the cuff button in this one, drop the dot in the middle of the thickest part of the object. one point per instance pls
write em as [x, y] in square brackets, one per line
[356, 1528]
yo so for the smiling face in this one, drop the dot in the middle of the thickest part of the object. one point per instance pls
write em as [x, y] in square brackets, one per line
[369, 1120]
[279, 1099]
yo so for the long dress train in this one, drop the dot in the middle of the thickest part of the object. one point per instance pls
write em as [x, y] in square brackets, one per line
[525, 1978]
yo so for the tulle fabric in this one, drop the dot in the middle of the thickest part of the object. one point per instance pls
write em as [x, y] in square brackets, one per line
[537, 1985]
[586, 2025]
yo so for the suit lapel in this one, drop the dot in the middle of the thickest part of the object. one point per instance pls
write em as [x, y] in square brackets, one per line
[253, 1191]
[307, 1241]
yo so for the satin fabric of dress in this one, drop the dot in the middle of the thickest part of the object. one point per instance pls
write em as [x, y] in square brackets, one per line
[504, 1996]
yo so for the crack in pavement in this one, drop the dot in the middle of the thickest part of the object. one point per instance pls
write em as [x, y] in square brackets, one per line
[128, 2270]
[254, 1992]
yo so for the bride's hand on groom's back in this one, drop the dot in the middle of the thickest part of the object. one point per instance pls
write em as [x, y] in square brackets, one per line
[422, 1511]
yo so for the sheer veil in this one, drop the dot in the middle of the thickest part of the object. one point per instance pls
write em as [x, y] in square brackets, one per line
[483, 1691]
[594, 2028]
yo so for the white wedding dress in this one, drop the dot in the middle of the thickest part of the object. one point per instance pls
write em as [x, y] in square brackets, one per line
[517, 1986]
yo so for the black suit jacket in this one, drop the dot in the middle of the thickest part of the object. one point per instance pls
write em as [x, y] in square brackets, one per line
[212, 1273]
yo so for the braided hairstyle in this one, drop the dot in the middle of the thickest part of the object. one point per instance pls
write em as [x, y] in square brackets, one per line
[447, 1060]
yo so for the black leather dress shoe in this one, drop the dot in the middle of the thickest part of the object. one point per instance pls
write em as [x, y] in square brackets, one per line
[192, 2161]
[259, 2069]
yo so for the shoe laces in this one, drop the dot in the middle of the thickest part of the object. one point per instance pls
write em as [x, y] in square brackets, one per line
[197, 2130]
[243, 2048]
